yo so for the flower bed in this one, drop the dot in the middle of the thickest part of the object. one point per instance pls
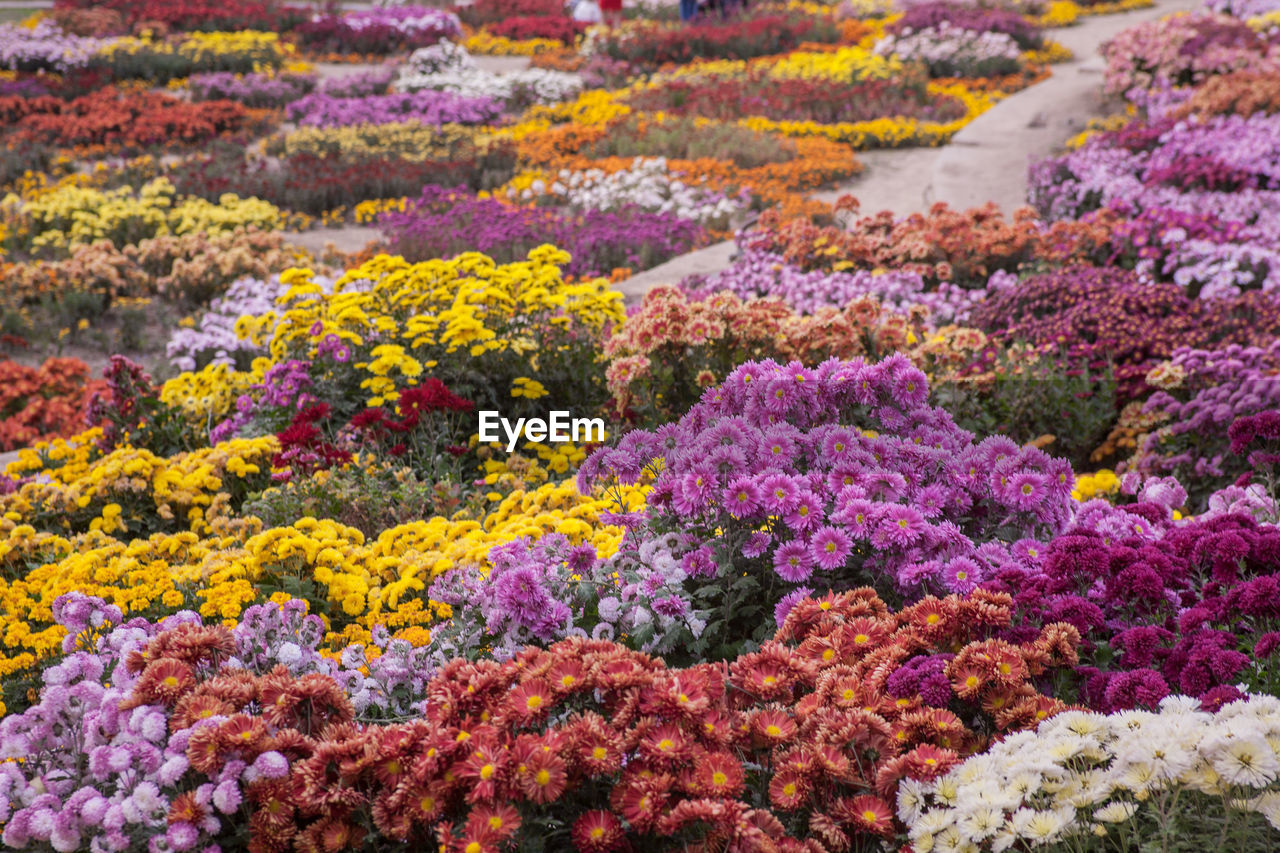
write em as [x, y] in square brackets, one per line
[953, 532]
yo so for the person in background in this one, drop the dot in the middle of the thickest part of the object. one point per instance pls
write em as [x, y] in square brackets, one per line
[612, 10]
[587, 12]
[688, 9]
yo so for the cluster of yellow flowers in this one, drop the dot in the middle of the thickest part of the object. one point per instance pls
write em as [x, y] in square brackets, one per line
[487, 44]
[206, 396]
[72, 214]
[1100, 484]
[408, 140]
[889, 132]
[435, 309]
[265, 49]
[367, 212]
[131, 490]
[353, 584]
[844, 64]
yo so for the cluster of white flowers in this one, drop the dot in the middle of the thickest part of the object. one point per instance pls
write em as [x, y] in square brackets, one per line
[647, 184]
[950, 49]
[406, 19]
[448, 67]
[1081, 772]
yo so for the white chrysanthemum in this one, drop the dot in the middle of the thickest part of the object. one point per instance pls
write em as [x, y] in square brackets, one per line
[1247, 761]
[1081, 723]
[952, 840]
[910, 800]
[946, 790]
[934, 821]
[987, 792]
[1131, 720]
[1170, 757]
[1041, 825]
[1137, 776]
[981, 823]
[1003, 839]
[1268, 805]
[1175, 704]
[1115, 812]
[1024, 783]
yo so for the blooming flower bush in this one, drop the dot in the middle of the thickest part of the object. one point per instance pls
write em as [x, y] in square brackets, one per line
[44, 47]
[758, 273]
[1184, 772]
[444, 222]
[221, 725]
[673, 347]
[853, 478]
[428, 107]
[379, 30]
[648, 184]
[447, 67]
[1181, 50]
[290, 599]
[950, 50]
[37, 404]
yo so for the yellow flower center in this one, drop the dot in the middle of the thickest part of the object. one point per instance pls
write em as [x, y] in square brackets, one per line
[543, 778]
[719, 778]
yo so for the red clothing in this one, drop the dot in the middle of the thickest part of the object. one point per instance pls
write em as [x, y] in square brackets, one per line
[610, 5]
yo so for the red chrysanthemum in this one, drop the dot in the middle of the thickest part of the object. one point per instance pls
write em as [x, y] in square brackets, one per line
[773, 726]
[872, 814]
[788, 790]
[719, 774]
[598, 831]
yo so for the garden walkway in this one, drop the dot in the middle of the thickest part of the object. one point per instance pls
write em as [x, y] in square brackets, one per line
[985, 161]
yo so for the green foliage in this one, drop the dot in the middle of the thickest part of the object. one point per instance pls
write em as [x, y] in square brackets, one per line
[685, 138]
[1066, 407]
[370, 499]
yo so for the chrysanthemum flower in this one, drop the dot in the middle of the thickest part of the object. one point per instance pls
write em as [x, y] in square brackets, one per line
[788, 790]
[830, 548]
[165, 681]
[793, 562]
[530, 700]
[598, 831]
[502, 819]
[667, 743]
[719, 774]
[742, 497]
[900, 527]
[543, 778]
[773, 726]
[872, 814]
